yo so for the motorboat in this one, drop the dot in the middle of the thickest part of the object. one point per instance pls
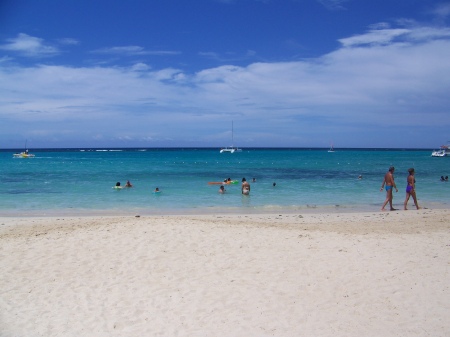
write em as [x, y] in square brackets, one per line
[439, 153]
[444, 151]
[24, 154]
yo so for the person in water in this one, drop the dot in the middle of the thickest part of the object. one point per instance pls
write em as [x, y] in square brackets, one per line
[389, 182]
[245, 187]
[118, 185]
[410, 189]
[128, 184]
[156, 190]
[222, 189]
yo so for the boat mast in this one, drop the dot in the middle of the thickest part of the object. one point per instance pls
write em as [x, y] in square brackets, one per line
[232, 134]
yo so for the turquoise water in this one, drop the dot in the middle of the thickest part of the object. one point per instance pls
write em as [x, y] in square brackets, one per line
[79, 181]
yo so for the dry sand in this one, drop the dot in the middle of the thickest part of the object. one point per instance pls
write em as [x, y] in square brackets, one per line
[349, 274]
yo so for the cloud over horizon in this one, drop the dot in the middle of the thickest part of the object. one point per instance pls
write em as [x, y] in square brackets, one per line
[393, 79]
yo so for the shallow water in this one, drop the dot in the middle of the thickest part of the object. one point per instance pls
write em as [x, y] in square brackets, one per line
[74, 181]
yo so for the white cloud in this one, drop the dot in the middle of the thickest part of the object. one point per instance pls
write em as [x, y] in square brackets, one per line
[29, 46]
[382, 34]
[133, 51]
[442, 10]
[5, 59]
[68, 41]
[140, 67]
[374, 36]
[427, 33]
[333, 4]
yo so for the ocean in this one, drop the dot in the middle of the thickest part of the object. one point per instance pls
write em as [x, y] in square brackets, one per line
[81, 181]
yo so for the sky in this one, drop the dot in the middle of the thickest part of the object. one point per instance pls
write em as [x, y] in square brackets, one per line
[177, 73]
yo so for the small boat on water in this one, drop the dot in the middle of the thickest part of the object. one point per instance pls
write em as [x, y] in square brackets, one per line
[444, 151]
[438, 153]
[24, 154]
[331, 148]
[231, 149]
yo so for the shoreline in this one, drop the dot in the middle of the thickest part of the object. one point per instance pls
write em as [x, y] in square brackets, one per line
[279, 274]
[354, 221]
[269, 209]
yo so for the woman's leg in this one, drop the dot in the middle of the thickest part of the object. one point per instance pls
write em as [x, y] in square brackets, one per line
[406, 201]
[415, 199]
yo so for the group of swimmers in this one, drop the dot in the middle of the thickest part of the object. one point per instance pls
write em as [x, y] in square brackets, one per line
[389, 184]
[245, 187]
[444, 179]
[128, 184]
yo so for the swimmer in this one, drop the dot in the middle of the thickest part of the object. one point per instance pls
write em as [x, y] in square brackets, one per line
[118, 185]
[128, 184]
[156, 190]
[222, 189]
[245, 187]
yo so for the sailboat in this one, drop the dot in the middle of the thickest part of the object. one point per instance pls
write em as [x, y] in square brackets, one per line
[231, 149]
[331, 148]
[24, 154]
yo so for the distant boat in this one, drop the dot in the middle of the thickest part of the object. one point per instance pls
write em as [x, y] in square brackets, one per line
[444, 151]
[231, 149]
[24, 154]
[331, 148]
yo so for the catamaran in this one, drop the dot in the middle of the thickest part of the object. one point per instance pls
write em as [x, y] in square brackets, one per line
[231, 149]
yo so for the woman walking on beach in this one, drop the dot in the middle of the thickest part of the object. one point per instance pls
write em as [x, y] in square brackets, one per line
[411, 189]
[389, 182]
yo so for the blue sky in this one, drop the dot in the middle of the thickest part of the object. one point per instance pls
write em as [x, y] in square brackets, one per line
[176, 73]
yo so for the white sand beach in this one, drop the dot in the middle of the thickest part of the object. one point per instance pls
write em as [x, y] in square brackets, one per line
[340, 274]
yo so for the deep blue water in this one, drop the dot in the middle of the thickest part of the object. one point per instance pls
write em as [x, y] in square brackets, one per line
[72, 181]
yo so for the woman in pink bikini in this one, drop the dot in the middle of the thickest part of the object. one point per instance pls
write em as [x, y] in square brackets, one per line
[411, 189]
